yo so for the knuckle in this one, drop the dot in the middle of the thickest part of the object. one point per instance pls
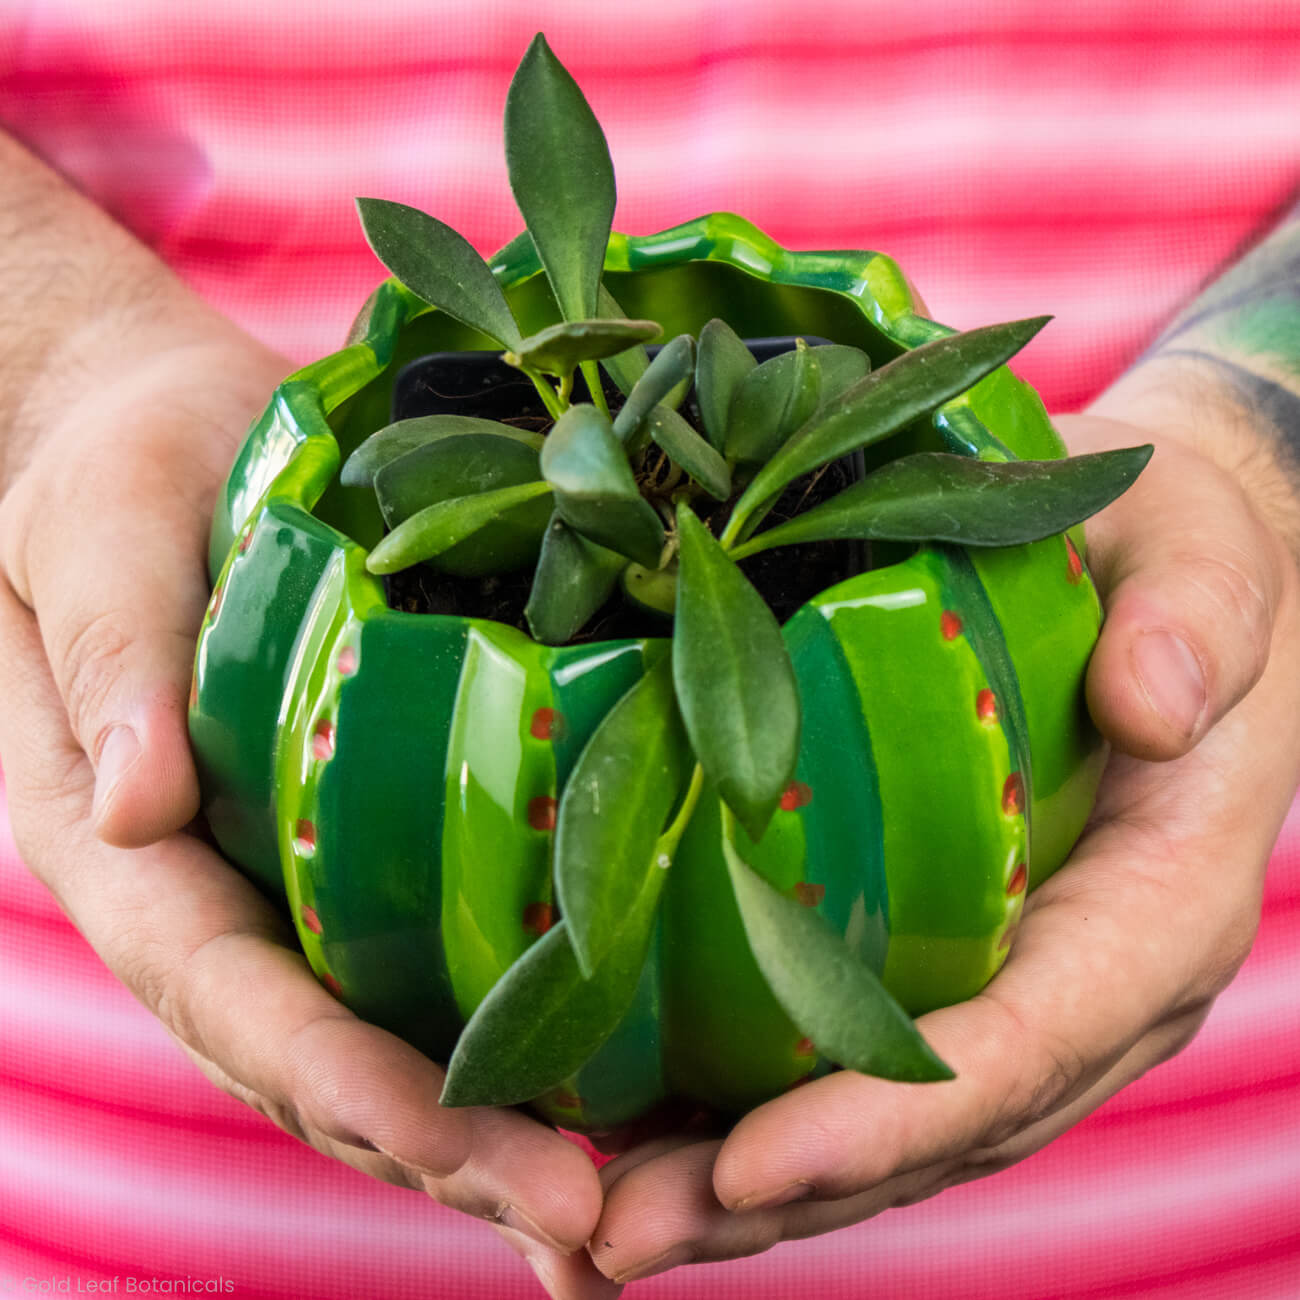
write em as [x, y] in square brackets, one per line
[1235, 596]
[90, 665]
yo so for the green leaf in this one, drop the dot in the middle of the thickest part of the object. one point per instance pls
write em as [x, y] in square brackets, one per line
[933, 496]
[625, 368]
[686, 448]
[558, 349]
[887, 400]
[542, 1021]
[438, 265]
[561, 176]
[826, 989]
[841, 367]
[669, 368]
[654, 590]
[722, 361]
[458, 465]
[395, 440]
[735, 684]
[573, 580]
[439, 527]
[614, 807]
[771, 402]
[595, 493]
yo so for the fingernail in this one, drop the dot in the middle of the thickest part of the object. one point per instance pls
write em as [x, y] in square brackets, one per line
[661, 1263]
[1172, 679]
[508, 1216]
[119, 751]
[799, 1190]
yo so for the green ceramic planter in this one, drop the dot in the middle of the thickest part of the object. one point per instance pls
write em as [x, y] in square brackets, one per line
[393, 777]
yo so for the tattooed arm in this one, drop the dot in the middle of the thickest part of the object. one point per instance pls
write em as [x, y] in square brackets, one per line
[1225, 373]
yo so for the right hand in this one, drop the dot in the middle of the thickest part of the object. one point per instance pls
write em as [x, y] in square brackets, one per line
[103, 534]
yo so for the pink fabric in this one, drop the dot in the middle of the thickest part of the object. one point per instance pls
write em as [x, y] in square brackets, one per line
[1097, 161]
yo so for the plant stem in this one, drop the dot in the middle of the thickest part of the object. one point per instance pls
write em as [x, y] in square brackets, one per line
[591, 373]
[666, 845]
[548, 395]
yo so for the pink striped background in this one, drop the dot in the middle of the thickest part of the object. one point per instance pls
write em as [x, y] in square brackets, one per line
[1095, 161]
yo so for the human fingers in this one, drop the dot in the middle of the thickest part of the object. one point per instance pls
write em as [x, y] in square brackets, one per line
[563, 1276]
[1190, 577]
[104, 536]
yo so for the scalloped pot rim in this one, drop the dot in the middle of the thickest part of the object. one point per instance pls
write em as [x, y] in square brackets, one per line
[872, 282]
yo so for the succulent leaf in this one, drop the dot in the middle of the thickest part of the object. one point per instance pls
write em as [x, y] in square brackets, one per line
[394, 440]
[614, 807]
[439, 527]
[841, 368]
[595, 493]
[561, 176]
[933, 496]
[721, 362]
[684, 446]
[558, 349]
[439, 265]
[542, 1021]
[460, 464]
[666, 372]
[771, 402]
[736, 687]
[826, 989]
[913, 385]
[573, 580]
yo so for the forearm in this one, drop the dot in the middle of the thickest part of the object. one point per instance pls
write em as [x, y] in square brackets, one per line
[1224, 375]
[83, 303]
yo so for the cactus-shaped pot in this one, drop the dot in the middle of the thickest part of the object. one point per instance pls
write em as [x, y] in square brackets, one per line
[393, 778]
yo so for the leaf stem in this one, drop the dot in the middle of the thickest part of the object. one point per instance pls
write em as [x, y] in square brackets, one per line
[591, 373]
[666, 845]
[544, 391]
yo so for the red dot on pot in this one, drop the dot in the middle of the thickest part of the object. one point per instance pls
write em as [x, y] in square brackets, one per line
[194, 691]
[804, 1047]
[333, 985]
[567, 1100]
[1019, 879]
[347, 661]
[304, 837]
[245, 540]
[538, 918]
[541, 813]
[1013, 795]
[310, 919]
[1073, 564]
[986, 706]
[547, 724]
[808, 893]
[322, 740]
[950, 625]
[798, 794]
[214, 606]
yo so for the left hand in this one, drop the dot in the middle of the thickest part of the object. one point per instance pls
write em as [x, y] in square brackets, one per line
[1120, 954]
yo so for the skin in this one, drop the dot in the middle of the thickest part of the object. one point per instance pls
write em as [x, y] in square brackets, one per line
[1127, 946]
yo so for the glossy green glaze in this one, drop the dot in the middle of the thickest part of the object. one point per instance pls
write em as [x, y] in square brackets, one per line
[392, 778]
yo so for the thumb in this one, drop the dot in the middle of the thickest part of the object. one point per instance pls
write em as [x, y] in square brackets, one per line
[112, 559]
[1190, 578]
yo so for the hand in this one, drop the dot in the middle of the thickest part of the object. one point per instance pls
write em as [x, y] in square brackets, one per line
[102, 587]
[1119, 955]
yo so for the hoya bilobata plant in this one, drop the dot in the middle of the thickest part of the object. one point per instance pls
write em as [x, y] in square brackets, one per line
[633, 500]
